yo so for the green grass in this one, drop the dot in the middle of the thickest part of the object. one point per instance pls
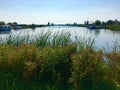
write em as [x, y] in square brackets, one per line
[113, 27]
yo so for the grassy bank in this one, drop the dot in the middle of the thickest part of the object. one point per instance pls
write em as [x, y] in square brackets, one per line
[55, 62]
[113, 27]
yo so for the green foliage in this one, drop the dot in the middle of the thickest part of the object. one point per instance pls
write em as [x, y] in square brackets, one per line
[97, 22]
[83, 43]
[2, 23]
[45, 39]
[113, 61]
[49, 66]
[90, 71]
[113, 27]
[110, 22]
[50, 61]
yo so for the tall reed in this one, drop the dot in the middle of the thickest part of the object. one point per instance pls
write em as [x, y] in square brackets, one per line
[48, 38]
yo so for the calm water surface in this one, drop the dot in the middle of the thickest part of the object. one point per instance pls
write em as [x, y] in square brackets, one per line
[104, 38]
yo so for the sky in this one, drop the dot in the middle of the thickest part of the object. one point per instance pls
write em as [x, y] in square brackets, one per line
[58, 11]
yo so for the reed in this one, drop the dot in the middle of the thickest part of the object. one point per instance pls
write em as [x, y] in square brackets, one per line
[44, 39]
[115, 47]
[83, 43]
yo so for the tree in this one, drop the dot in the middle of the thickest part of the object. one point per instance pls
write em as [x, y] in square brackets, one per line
[103, 23]
[97, 22]
[48, 24]
[2, 23]
[52, 24]
[110, 22]
[13, 24]
[86, 22]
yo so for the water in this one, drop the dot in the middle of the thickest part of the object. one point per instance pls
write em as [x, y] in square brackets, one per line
[104, 38]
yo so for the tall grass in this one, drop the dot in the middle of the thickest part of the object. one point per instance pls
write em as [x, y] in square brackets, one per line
[54, 61]
[56, 39]
[84, 42]
[44, 39]
[115, 47]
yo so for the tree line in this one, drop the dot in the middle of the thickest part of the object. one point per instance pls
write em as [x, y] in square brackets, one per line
[103, 23]
[97, 22]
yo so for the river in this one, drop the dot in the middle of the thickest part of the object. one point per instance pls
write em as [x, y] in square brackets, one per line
[104, 38]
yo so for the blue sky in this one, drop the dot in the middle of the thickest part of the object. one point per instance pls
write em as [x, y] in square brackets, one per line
[58, 11]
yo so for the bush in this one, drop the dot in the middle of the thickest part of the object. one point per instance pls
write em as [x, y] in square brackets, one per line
[50, 68]
[43, 65]
[89, 71]
[113, 61]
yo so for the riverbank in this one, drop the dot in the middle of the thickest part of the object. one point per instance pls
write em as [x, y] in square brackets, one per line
[110, 27]
[56, 64]
[113, 27]
[27, 26]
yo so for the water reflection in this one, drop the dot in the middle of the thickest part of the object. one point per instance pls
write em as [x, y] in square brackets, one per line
[97, 32]
[5, 32]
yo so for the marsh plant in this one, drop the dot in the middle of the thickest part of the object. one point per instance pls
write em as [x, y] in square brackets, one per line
[53, 61]
[48, 38]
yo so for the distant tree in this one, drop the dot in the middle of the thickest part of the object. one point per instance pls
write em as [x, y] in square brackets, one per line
[48, 24]
[103, 23]
[86, 22]
[33, 26]
[2, 23]
[12, 23]
[52, 24]
[9, 23]
[110, 22]
[67, 24]
[97, 22]
[74, 23]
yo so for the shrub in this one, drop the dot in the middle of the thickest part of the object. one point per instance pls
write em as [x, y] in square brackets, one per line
[43, 65]
[9, 59]
[113, 61]
[52, 67]
[89, 70]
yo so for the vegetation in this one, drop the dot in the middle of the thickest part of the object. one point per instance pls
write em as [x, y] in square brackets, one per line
[2, 23]
[55, 62]
[113, 27]
[92, 72]
[110, 24]
[15, 25]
